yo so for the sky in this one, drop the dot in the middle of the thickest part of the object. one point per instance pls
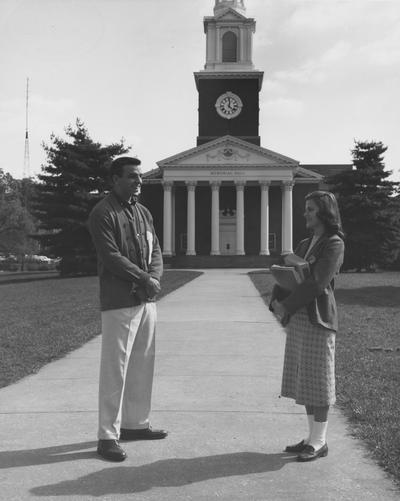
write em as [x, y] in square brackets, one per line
[125, 67]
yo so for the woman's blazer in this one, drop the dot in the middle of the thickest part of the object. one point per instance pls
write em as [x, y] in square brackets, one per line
[316, 292]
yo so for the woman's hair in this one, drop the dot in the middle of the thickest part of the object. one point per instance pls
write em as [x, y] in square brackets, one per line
[328, 211]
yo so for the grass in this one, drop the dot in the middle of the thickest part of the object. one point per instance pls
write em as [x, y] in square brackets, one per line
[367, 359]
[44, 317]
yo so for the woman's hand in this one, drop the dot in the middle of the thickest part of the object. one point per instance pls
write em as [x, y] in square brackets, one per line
[280, 312]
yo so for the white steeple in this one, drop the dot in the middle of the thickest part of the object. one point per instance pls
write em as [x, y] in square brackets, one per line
[237, 5]
[229, 37]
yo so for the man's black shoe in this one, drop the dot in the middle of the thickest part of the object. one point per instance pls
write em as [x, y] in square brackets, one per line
[145, 434]
[111, 450]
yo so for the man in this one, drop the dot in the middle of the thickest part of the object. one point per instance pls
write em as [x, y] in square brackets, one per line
[130, 268]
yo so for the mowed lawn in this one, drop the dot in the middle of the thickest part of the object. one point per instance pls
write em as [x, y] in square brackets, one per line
[43, 317]
[367, 358]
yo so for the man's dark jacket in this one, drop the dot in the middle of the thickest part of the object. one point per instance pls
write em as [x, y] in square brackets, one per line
[118, 247]
[316, 293]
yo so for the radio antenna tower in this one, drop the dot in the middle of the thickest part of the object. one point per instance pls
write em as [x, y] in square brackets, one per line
[27, 168]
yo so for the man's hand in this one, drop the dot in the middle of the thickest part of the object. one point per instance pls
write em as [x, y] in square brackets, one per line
[147, 290]
[141, 294]
[153, 287]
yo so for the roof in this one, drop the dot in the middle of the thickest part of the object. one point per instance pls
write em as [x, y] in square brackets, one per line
[327, 170]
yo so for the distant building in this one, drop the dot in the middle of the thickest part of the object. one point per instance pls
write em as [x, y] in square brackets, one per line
[228, 196]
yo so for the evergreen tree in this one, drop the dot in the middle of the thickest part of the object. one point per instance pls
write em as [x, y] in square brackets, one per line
[73, 180]
[369, 208]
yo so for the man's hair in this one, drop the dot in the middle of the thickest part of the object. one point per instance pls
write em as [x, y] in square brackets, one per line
[117, 165]
[328, 211]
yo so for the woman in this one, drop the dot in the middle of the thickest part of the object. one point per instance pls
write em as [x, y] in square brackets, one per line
[311, 317]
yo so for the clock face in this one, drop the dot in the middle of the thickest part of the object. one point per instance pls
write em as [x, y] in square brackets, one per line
[229, 105]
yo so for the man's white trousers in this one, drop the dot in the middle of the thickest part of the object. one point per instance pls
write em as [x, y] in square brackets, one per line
[126, 369]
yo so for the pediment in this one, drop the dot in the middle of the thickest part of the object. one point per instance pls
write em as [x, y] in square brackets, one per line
[230, 14]
[228, 151]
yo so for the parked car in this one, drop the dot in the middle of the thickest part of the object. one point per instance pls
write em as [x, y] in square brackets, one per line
[35, 262]
[9, 262]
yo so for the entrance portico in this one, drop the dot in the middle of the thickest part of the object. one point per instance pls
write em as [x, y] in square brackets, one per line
[228, 167]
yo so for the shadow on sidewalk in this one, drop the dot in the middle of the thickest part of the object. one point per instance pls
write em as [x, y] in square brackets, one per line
[165, 473]
[47, 455]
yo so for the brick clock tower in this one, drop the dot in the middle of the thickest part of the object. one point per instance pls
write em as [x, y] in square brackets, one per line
[228, 199]
[229, 85]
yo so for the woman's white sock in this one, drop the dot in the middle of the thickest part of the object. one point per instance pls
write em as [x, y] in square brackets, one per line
[318, 434]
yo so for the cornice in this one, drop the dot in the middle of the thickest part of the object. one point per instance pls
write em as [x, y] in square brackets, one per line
[208, 167]
[264, 184]
[250, 22]
[230, 75]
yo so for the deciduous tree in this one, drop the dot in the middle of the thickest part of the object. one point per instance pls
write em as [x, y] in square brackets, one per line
[16, 222]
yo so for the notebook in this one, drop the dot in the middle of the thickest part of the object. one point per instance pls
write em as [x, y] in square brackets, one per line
[294, 272]
[301, 265]
[286, 276]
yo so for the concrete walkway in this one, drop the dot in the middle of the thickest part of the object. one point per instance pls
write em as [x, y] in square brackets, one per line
[218, 369]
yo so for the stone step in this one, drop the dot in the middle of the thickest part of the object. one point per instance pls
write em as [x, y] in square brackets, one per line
[220, 261]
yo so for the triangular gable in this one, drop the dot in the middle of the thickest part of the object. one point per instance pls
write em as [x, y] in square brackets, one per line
[230, 14]
[228, 150]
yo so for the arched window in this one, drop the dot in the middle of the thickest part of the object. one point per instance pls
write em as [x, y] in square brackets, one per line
[229, 47]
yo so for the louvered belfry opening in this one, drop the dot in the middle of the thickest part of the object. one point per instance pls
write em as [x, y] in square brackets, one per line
[229, 47]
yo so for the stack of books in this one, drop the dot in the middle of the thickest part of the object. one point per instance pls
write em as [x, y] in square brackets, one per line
[293, 273]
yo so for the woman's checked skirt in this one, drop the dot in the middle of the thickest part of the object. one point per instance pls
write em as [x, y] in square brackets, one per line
[309, 366]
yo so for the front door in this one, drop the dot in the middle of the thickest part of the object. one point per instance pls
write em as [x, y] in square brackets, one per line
[228, 241]
[227, 232]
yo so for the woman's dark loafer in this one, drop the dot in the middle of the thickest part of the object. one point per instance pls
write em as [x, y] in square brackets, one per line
[309, 453]
[297, 447]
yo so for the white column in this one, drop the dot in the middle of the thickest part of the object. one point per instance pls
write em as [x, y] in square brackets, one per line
[249, 46]
[242, 44]
[264, 247]
[167, 251]
[287, 217]
[218, 46]
[173, 221]
[191, 218]
[215, 251]
[240, 219]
